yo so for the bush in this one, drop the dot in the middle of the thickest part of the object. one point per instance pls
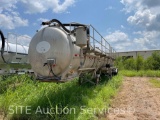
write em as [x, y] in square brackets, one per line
[119, 63]
[139, 63]
[130, 64]
[151, 63]
[156, 60]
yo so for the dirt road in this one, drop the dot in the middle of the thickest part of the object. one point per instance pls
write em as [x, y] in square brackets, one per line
[138, 99]
[1, 115]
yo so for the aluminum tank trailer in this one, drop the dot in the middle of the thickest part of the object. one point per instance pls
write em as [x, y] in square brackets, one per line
[14, 57]
[61, 52]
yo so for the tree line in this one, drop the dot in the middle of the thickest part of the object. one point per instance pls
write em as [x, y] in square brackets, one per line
[139, 63]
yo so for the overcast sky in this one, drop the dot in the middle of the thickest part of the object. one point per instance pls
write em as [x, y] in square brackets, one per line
[126, 24]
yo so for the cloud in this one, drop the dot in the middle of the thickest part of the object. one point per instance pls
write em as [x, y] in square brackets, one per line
[147, 40]
[42, 19]
[117, 36]
[130, 5]
[7, 5]
[21, 39]
[118, 40]
[24, 40]
[144, 15]
[62, 7]
[109, 8]
[122, 27]
[142, 18]
[10, 18]
[37, 6]
[122, 42]
[40, 6]
[151, 3]
[145, 19]
[11, 21]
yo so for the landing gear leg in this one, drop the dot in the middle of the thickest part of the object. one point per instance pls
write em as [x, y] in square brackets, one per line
[97, 79]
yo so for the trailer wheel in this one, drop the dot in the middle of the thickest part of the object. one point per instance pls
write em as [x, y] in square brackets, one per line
[115, 72]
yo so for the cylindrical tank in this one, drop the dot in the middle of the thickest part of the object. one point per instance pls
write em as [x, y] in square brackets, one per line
[54, 52]
[60, 54]
[14, 53]
[81, 37]
[51, 44]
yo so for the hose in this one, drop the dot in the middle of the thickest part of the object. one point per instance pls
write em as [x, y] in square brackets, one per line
[3, 46]
[63, 25]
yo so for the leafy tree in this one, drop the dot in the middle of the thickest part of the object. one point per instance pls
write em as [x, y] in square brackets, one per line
[139, 62]
[119, 63]
[151, 63]
[148, 63]
[129, 64]
[156, 60]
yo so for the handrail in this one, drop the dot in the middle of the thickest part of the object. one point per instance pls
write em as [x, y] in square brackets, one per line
[102, 44]
[14, 41]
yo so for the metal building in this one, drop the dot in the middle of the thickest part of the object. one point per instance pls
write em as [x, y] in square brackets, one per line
[144, 53]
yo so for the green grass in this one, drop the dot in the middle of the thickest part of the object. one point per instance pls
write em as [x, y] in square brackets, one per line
[155, 82]
[15, 66]
[82, 102]
[141, 73]
[7, 82]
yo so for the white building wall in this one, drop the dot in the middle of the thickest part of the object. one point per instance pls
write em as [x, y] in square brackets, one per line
[144, 54]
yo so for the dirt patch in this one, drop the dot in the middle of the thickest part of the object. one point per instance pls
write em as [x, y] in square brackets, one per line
[1, 115]
[138, 99]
